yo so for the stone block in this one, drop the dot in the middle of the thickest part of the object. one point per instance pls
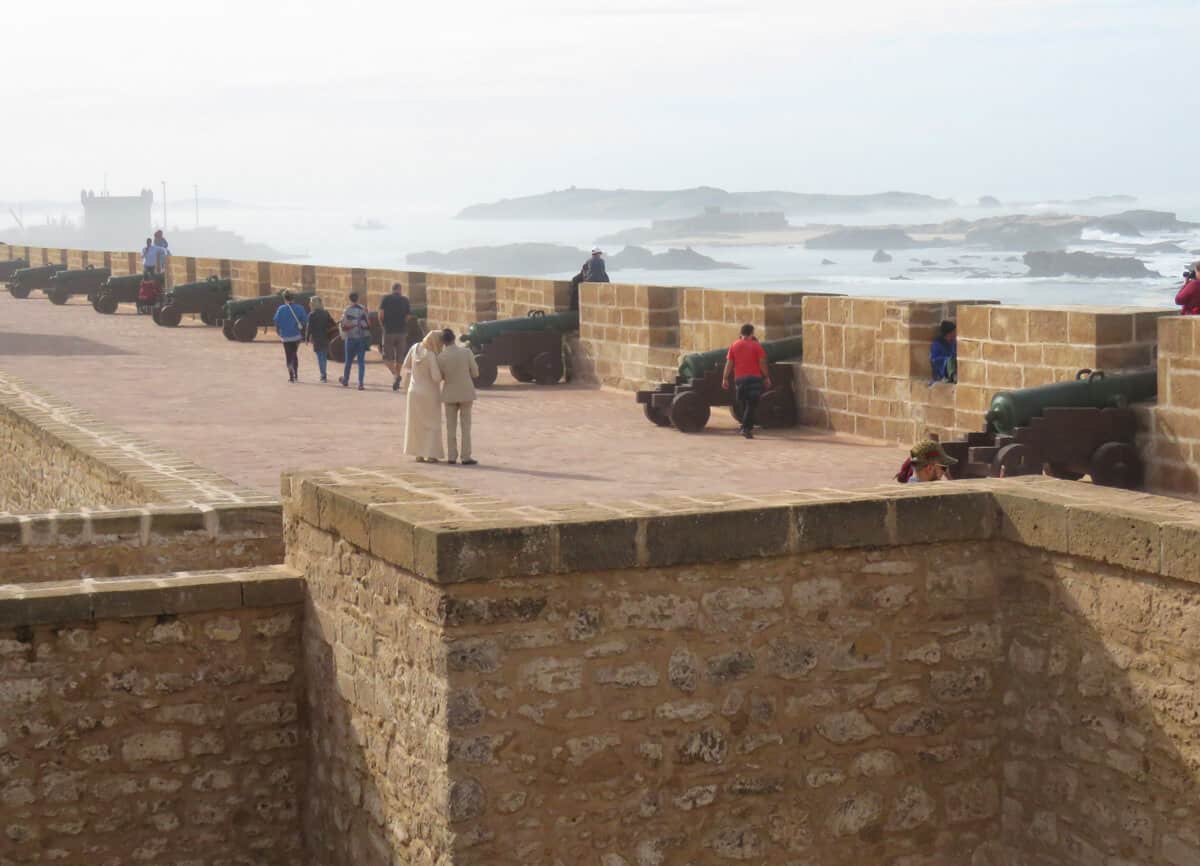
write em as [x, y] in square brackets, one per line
[845, 523]
[597, 545]
[1008, 325]
[483, 550]
[1115, 535]
[1177, 336]
[943, 514]
[717, 536]
[1049, 326]
[272, 588]
[1181, 551]
[1032, 519]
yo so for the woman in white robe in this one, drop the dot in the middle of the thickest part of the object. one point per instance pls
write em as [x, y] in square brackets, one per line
[423, 418]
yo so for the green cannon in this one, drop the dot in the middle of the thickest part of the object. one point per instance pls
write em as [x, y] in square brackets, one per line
[25, 280]
[686, 404]
[79, 281]
[116, 291]
[242, 317]
[413, 331]
[530, 345]
[695, 365]
[11, 266]
[1096, 390]
[205, 298]
[1064, 429]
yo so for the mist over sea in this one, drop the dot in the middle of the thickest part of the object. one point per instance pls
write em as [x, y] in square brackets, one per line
[327, 236]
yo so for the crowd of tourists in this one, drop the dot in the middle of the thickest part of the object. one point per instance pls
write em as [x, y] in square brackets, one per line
[438, 374]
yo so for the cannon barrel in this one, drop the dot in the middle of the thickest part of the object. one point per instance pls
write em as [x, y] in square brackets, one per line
[241, 306]
[1098, 390]
[81, 278]
[695, 365]
[7, 269]
[201, 288]
[123, 283]
[482, 333]
[36, 277]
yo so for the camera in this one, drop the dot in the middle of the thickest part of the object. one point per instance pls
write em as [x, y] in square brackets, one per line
[1189, 274]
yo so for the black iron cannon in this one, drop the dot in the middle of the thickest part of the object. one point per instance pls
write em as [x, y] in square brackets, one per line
[116, 291]
[25, 280]
[203, 298]
[686, 404]
[79, 281]
[1065, 429]
[12, 265]
[242, 317]
[413, 330]
[530, 345]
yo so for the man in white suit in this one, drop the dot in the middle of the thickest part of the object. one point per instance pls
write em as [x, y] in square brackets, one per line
[459, 370]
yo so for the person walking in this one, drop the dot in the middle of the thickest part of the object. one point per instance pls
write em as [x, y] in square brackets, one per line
[290, 319]
[153, 260]
[423, 413]
[320, 325]
[394, 311]
[459, 370]
[167, 277]
[356, 332]
[746, 371]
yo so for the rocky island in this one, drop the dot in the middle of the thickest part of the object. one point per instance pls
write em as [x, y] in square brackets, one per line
[1079, 264]
[533, 258]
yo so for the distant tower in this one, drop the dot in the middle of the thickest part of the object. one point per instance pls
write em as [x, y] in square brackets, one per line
[113, 222]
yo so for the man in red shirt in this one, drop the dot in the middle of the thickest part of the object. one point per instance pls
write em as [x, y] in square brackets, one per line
[746, 369]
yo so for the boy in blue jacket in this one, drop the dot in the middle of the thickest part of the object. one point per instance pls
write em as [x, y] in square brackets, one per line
[290, 320]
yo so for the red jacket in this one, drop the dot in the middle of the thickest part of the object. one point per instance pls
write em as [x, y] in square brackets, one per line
[1189, 298]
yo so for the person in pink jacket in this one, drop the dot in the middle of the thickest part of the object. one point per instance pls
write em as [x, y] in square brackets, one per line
[1189, 296]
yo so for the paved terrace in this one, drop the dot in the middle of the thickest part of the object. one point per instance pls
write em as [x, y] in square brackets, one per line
[228, 406]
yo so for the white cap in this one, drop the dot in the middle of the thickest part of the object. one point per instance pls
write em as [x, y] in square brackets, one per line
[597, 250]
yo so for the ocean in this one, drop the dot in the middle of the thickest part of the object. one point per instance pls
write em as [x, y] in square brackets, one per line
[327, 236]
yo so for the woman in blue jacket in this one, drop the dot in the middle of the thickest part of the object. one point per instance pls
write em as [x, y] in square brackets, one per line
[290, 320]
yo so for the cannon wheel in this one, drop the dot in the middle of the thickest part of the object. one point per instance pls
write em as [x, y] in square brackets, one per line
[487, 371]
[244, 329]
[337, 350]
[1014, 460]
[106, 304]
[546, 369]
[58, 298]
[1057, 470]
[154, 313]
[1117, 464]
[689, 412]
[520, 373]
[210, 318]
[776, 409]
[169, 316]
[656, 416]
[227, 329]
[18, 292]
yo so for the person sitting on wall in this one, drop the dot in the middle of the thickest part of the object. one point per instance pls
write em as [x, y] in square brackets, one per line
[943, 353]
[927, 461]
[593, 271]
[1188, 297]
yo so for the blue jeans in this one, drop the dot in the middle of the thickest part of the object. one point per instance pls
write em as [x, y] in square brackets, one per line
[322, 358]
[356, 348]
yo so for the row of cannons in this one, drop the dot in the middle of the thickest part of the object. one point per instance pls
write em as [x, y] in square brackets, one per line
[1065, 429]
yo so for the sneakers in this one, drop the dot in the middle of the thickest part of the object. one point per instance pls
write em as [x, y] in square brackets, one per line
[470, 462]
[453, 460]
[342, 379]
[361, 387]
[396, 384]
[322, 378]
[747, 433]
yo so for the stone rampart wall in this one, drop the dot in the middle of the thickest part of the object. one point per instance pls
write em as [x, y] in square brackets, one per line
[56, 457]
[459, 300]
[519, 296]
[1171, 444]
[946, 675]
[138, 540]
[147, 721]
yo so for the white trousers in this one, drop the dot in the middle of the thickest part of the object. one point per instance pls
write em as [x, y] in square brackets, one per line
[456, 412]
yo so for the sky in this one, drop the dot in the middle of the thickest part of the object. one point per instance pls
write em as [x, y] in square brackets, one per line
[444, 104]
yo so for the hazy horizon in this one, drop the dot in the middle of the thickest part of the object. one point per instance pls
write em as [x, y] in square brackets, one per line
[364, 104]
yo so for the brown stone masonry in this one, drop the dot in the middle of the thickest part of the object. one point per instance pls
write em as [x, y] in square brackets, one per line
[152, 721]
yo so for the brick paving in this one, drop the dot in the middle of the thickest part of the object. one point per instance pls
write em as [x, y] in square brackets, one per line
[228, 406]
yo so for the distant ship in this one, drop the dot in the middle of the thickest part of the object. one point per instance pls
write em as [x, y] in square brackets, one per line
[371, 225]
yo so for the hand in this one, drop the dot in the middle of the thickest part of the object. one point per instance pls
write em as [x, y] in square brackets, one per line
[767, 383]
[725, 384]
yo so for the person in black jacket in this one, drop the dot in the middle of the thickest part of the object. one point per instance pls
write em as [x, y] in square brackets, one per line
[320, 326]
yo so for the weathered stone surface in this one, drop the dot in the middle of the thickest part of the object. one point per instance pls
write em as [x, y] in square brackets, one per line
[849, 727]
